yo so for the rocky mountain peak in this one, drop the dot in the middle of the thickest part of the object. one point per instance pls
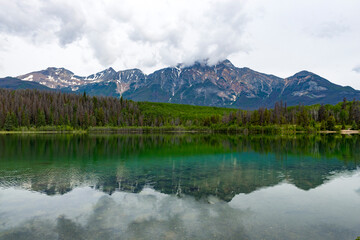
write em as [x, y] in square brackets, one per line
[110, 69]
[222, 85]
[59, 70]
[105, 75]
[303, 73]
[226, 63]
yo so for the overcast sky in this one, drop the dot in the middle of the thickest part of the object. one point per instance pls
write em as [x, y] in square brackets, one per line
[280, 37]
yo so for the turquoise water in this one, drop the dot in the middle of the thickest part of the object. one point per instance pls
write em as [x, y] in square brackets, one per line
[179, 187]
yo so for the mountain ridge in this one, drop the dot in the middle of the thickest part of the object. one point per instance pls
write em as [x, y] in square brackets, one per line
[221, 85]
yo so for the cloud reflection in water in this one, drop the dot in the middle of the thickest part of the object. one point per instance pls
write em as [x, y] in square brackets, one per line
[147, 215]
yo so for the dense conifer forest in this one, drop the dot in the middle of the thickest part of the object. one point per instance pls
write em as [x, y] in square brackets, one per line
[34, 109]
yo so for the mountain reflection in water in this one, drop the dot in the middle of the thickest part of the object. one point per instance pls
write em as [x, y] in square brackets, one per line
[179, 187]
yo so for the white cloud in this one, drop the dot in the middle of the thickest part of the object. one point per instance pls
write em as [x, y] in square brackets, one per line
[329, 29]
[289, 36]
[280, 37]
[356, 69]
[71, 20]
[168, 32]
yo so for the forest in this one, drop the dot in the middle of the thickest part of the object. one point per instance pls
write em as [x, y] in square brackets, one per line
[22, 110]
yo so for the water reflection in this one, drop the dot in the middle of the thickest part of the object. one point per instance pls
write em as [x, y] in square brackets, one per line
[279, 212]
[330, 211]
[179, 187]
[147, 215]
[193, 165]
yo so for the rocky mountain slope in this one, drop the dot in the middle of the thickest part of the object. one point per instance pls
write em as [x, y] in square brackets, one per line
[222, 85]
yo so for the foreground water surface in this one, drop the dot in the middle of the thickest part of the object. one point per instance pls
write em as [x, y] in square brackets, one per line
[179, 187]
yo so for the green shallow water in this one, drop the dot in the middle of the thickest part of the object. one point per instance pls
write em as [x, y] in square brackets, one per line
[179, 187]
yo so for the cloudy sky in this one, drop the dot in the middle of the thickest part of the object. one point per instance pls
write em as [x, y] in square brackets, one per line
[280, 37]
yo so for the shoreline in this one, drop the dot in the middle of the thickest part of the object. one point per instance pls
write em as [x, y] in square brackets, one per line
[176, 130]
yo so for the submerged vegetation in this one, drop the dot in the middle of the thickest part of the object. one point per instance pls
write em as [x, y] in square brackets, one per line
[27, 110]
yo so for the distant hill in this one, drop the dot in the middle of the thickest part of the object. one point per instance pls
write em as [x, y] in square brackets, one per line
[14, 83]
[220, 85]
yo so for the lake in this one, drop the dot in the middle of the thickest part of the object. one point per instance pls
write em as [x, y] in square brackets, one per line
[180, 186]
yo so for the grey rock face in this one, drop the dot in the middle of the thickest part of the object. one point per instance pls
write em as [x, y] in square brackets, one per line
[221, 85]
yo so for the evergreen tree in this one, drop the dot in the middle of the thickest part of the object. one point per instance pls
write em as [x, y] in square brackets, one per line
[354, 126]
[330, 123]
[9, 124]
[343, 125]
[323, 125]
[303, 118]
[37, 108]
[322, 113]
[41, 119]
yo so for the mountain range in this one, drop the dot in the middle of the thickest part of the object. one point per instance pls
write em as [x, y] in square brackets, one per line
[220, 85]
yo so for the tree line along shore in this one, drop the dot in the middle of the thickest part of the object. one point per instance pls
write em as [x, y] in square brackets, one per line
[44, 111]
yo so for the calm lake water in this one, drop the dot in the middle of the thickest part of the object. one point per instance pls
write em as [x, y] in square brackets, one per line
[179, 187]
